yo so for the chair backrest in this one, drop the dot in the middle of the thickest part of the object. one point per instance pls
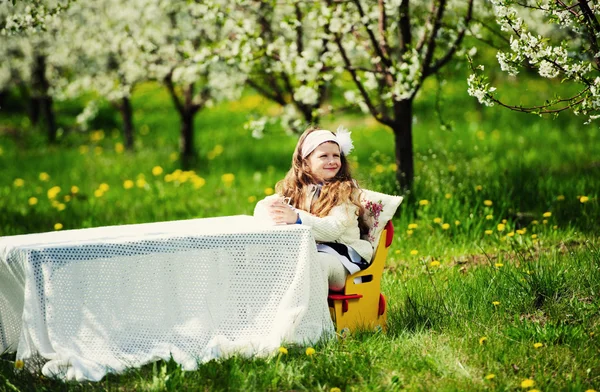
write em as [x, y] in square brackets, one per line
[370, 278]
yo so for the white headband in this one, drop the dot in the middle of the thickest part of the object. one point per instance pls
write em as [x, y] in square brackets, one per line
[316, 138]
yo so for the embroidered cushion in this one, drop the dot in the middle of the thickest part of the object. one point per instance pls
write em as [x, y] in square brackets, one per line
[379, 209]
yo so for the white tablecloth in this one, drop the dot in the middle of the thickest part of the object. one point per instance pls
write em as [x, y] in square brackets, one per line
[101, 300]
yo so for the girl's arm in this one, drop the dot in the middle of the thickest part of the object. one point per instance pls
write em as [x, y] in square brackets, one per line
[332, 226]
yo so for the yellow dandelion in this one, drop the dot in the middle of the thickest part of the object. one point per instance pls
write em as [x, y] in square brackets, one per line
[437, 220]
[157, 170]
[44, 176]
[397, 251]
[310, 351]
[495, 303]
[140, 182]
[499, 265]
[228, 178]
[511, 234]
[534, 236]
[490, 376]
[98, 193]
[501, 227]
[488, 232]
[58, 226]
[448, 195]
[19, 182]
[423, 202]
[547, 214]
[412, 226]
[128, 184]
[534, 390]
[520, 232]
[283, 350]
[269, 191]
[434, 263]
[560, 197]
[379, 169]
[489, 217]
[445, 226]
[119, 148]
[392, 167]
[335, 389]
[479, 188]
[457, 222]
[504, 221]
[590, 390]
[409, 232]
[584, 199]
[61, 207]
[33, 201]
[104, 187]
[534, 222]
[527, 383]
[19, 364]
[545, 221]
[53, 192]
[67, 198]
[97, 135]
[483, 340]
[251, 199]
[414, 252]
[74, 189]
[488, 203]
[555, 227]
[538, 345]
[199, 182]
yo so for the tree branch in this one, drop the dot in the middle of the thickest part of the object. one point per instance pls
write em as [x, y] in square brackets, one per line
[168, 80]
[376, 46]
[404, 27]
[455, 45]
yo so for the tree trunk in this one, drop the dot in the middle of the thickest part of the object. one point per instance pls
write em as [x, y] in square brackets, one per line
[186, 138]
[40, 86]
[127, 118]
[402, 128]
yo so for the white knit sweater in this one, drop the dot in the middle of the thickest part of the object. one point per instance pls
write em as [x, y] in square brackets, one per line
[341, 225]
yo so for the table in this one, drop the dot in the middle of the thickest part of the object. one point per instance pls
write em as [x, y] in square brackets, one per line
[100, 300]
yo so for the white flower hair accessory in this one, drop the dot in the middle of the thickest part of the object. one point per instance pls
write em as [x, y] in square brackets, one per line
[344, 140]
[316, 138]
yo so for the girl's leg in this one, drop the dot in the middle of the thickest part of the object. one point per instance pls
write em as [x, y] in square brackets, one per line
[334, 270]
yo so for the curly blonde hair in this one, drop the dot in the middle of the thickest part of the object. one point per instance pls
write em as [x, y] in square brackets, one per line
[338, 190]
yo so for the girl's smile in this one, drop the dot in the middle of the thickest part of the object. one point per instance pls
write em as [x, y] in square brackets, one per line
[325, 162]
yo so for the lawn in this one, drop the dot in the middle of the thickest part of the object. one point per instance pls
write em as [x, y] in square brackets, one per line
[492, 279]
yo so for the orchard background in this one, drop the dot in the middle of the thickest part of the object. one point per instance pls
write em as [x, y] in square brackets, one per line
[494, 273]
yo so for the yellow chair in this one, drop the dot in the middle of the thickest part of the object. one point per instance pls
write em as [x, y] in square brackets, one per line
[361, 305]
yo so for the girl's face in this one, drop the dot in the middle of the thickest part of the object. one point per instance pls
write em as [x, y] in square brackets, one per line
[324, 162]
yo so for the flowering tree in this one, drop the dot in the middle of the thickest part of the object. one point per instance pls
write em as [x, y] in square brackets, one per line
[30, 59]
[389, 48]
[558, 39]
[107, 57]
[182, 45]
[283, 48]
[33, 15]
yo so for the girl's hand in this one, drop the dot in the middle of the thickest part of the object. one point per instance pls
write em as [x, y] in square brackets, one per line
[282, 213]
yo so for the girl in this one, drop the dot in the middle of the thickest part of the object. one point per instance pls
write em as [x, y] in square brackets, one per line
[323, 195]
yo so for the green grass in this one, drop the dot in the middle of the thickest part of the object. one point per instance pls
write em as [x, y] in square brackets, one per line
[478, 312]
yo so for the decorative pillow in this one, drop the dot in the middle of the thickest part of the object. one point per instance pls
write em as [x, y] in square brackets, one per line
[379, 209]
